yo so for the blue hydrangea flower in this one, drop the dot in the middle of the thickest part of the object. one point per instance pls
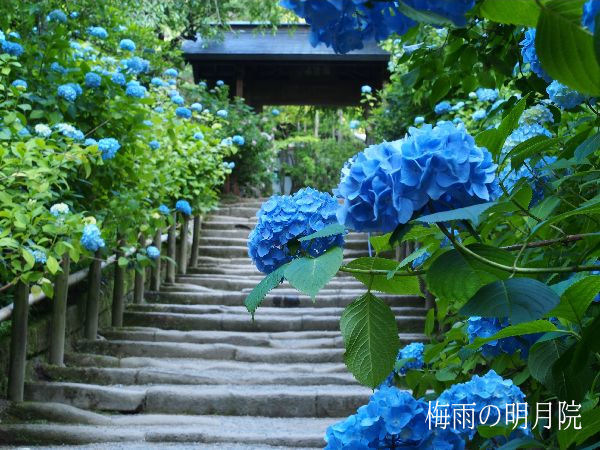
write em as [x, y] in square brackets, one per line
[223, 113]
[458, 106]
[413, 352]
[42, 130]
[184, 113]
[196, 107]
[563, 96]
[158, 82]
[59, 209]
[487, 95]
[148, 123]
[488, 390]
[537, 114]
[483, 327]
[152, 252]
[154, 144]
[38, 255]
[68, 91]
[478, 115]
[366, 89]
[136, 65]
[93, 80]
[109, 147]
[135, 90]
[89, 142]
[118, 78]
[230, 165]
[442, 107]
[2, 35]
[199, 136]
[164, 209]
[530, 56]
[12, 48]
[56, 67]
[283, 219]
[178, 100]
[203, 84]
[220, 83]
[171, 73]
[523, 133]
[227, 142]
[275, 112]
[21, 85]
[159, 109]
[92, 238]
[127, 45]
[354, 124]
[70, 131]
[183, 207]
[419, 120]
[24, 132]
[74, 15]
[238, 140]
[386, 184]
[591, 8]
[172, 82]
[57, 16]
[14, 34]
[98, 32]
[173, 93]
[537, 175]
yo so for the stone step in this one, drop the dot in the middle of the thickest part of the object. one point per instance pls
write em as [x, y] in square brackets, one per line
[225, 225]
[237, 283]
[227, 352]
[246, 268]
[233, 219]
[239, 210]
[222, 241]
[349, 255]
[243, 234]
[159, 430]
[134, 376]
[241, 251]
[229, 322]
[275, 299]
[228, 400]
[284, 339]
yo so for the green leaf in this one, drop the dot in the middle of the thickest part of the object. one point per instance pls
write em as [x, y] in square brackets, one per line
[330, 230]
[310, 275]
[470, 213]
[381, 243]
[430, 322]
[370, 334]
[271, 281]
[494, 139]
[590, 426]
[467, 275]
[522, 329]
[566, 50]
[533, 146]
[518, 299]
[422, 16]
[29, 258]
[576, 299]
[405, 285]
[52, 264]
[123, 262]
[513, 12]
[542, 355]
[587, 147]
[410, 258]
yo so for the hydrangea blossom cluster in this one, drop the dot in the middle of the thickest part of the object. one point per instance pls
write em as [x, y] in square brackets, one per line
[158, 82]
[196, 107]
[537, 114]
[164, 209]
[484, 327]
[152, 252]
[199, 136]
[275, 112]
[109, 147]
[442, 107]
[91, 238]
[486, 95]
[69, 91]
[127, 45]
[563, 96]
[154, 144]
[93, 80]
[56, 67]
[530, 56]
[479, 115]
[177, 99]
[136, 90]
[118, 78]
[537, 175]
[59, 209]
[39, 256]
[184, 113]
[220, 83]
[183, 207]
[238, 140]
[70, 131]
[57, 16]
[419, 120]
[136, 65]
[42, 130]
[591, 8]
[20, 85]
[171, 73]
[386, 184]
[223, 113]
[354, 124]
[413, 352]
[98, 32]
[523, 133]
[283, 219]
[366, 89]
[89, 142]
[12, 48]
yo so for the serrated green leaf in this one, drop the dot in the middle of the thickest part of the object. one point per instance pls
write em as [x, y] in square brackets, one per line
[587, 147]
[513, 12]
[576, 299]
[531, 147]
[52, 264]
[271, 281]
[310, 275]
[405, 285]
[471, 213]
[542, 355]
[330, 230]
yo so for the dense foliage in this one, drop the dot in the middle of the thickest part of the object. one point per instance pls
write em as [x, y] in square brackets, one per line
[491, 174]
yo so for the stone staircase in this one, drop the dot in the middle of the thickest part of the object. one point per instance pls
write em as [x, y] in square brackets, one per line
[190, 369]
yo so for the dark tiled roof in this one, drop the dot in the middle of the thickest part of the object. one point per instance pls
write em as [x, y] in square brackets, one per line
[246, 42]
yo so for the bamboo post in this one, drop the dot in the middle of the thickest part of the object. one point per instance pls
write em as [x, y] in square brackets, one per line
[18, 344]
[195, 241]
[138, 284]
[182, 251]
[172, 250]
[59, 313]
[93, 300]
[118, 303]
[155, 272]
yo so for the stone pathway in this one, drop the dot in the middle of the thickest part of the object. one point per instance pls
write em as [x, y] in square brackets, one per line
[191, 370]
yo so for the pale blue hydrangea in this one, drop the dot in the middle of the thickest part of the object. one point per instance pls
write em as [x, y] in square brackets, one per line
[184, 113]
[42, 130]
[147, 122]
[442, 108]
[89, 142]
[283, 219]
[238, 140]
[24, 132]
[173, 93]
[177, 99]
[159, 109]
[419, 120]
[56, 67]
[220, 83]
[354, 124]
[523, 133]
[68, 91]
[12, 48]
[70, 131]
[478, 115]
[2, 35]
[152, 252]
[154, 144]
[223, 113]
[14, 34]
[171, 73]
[164, 209]
[530, 56]
[414, 354]
[98, 32]
[92, 238]
[458, 106]
[230, 165]
[57, 16]
[93, 80]
[591, 8]
[74, 15]
[118, 78]
[366, 89]
[227, 142]
[537, 114]
[135, 90]
[109, 147]
[386, 184]
[136, 65]
[59, 209]
[487, 95]
[563, 96]
[172, 82]
[275, 112]
[183, 207]
[39, 256]
[484, 327]
[127, 45]
[21, 85]
[158, 82]
[196, 107]
[457, 120]
[203, 84]
[199, 136]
